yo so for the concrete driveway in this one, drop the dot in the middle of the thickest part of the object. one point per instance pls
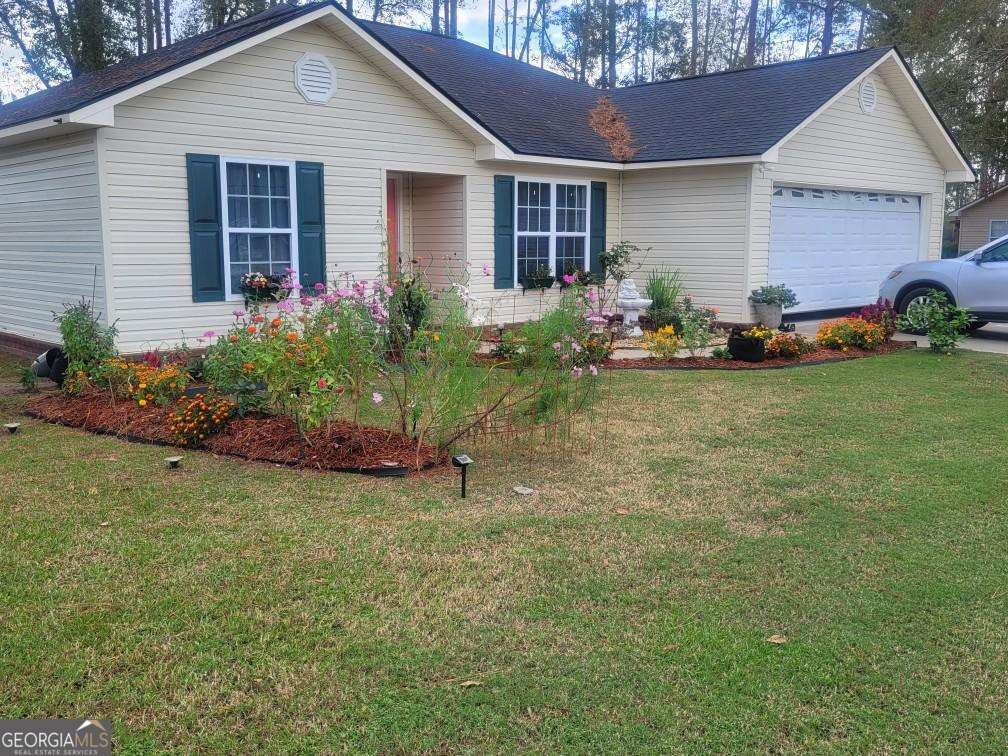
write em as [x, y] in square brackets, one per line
[990, 338]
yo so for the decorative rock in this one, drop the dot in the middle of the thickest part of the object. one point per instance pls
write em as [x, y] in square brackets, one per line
[523, 490]
[631, 302]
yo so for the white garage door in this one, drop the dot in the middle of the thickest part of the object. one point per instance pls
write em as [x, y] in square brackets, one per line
[835, 247]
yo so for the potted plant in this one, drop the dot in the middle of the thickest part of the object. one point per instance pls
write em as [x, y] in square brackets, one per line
[749, 345]
[769, 302]
[260, 287]
[539, 279]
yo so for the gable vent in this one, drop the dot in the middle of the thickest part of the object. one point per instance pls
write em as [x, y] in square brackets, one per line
[867, 95]
[315, 78]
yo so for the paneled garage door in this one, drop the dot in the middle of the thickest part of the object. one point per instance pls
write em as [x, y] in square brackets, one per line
[835, 247]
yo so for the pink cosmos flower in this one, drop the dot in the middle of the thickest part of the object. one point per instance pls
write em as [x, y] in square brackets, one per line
[388, 291]
[377, 398]
[568, 279]
[306, 301]
[577, 347]
[593, 370]
[320, 286]
[576, 373]
[591, 295]
[486, 270]
[343, 292]
[557, 345]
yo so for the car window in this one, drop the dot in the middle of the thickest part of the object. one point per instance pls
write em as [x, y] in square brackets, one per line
[996, 254]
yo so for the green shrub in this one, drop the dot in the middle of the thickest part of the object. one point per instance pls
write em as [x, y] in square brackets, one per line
[87, 341]
[944, 323]
[774, 294]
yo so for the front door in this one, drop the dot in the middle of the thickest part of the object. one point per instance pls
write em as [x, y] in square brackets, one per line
[393, 192]
[983, 284]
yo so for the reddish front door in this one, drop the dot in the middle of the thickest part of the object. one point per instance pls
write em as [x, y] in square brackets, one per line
[392, 224]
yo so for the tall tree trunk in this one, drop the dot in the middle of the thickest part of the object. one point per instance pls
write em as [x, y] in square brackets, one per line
[611, 42]
[138, 19]
[583, 44]
[827, 27]
[167, 21]
[654, 38]
[149, 22]
[490, 24]
[62, 41]
[750, 52]
[694, 52]
[705, 61]
[860, 31]
[514, 27]
[158, 39]
[436, 17]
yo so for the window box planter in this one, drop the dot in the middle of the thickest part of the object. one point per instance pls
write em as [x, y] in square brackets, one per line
[538, 283]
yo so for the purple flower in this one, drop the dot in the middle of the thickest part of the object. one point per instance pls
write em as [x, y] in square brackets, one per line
[593, 370]
[343, 292]
[306, 301]
[388, 291]
[285, 305]
[577, 347]
[239, 313]
[576, 373]
[557, 345]
[208, 334]
[591, 295]
[568, 279]
[486, 270]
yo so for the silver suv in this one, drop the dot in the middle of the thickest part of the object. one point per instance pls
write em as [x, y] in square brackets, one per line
[977, 280]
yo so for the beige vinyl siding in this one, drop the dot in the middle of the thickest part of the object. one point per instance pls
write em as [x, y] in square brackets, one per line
[974, 223]
[694, 220]
[844, 148]
[50, 233]
[505, 306]
[438, 228]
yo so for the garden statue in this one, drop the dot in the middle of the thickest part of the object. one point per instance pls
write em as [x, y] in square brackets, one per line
[631, 302]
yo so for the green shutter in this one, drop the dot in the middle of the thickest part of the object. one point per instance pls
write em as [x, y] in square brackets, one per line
[206, 251]
[596, 244]
[504, 210]
[311, 224]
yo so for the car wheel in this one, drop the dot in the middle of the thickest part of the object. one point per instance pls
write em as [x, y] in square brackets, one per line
[911, 300]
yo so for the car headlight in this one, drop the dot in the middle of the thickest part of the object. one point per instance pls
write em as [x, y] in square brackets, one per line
[894, 274]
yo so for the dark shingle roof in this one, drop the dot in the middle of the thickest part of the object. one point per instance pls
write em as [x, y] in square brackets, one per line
[531, 110]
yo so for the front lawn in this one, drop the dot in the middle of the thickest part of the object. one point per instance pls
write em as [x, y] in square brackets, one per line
[856, 509]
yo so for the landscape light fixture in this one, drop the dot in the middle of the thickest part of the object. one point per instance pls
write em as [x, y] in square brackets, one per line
[172, 462]
[462, 461]
[12, 427]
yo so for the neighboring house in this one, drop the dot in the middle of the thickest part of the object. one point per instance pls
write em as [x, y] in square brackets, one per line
[304, 137]
[983, 220]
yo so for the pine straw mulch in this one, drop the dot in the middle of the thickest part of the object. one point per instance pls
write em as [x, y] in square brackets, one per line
[340, 446]
[818, 357]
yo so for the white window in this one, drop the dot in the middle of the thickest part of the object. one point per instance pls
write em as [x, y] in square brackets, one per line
[552, 226]
[259, 219]
[998, 228]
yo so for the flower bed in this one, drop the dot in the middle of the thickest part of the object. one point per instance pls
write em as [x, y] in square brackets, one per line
[816, 357]
[339, 446]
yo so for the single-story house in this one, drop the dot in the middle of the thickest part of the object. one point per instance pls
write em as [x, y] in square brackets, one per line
[982, 220]
[304, 137]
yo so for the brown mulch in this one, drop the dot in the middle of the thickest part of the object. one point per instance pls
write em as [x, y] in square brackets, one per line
[339, 446]
[817, 357]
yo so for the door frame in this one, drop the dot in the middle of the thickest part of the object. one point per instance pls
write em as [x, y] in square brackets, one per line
[397, 181]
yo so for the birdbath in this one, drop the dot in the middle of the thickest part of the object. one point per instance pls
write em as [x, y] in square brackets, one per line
[631, 302]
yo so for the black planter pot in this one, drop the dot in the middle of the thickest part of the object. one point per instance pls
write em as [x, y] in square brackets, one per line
[57, 371]
[747, 350]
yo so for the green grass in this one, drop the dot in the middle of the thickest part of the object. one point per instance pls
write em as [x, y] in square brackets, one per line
[858, 509]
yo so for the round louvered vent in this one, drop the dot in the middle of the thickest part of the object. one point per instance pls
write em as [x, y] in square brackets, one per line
[315, 77]
[867, 95]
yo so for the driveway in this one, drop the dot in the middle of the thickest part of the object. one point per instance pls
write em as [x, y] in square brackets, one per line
[991, 338]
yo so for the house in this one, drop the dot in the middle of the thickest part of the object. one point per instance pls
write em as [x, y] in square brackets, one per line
[983, 220]
[303, 137]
